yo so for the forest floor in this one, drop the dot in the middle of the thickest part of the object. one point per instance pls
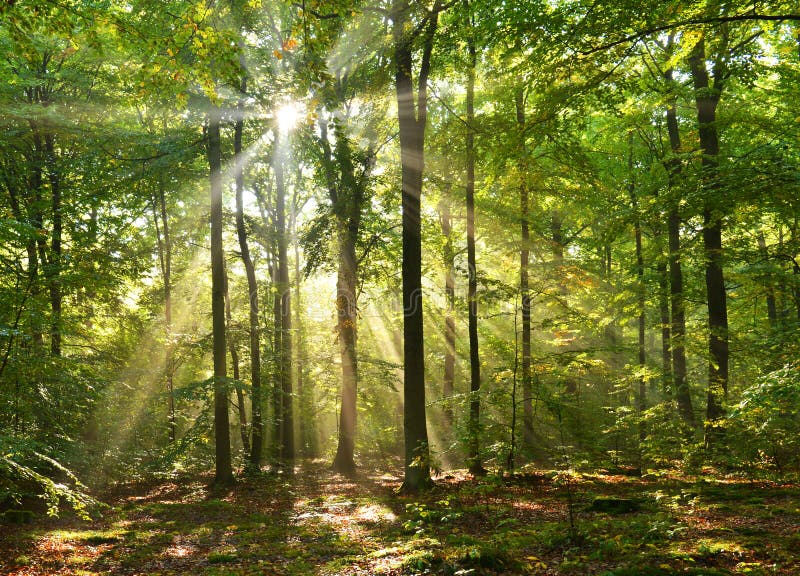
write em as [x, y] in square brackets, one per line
[318, 522]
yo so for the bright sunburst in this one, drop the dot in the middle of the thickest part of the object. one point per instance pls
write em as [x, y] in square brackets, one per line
[288, 116]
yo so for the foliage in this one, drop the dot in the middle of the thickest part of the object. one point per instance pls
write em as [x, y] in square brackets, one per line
[766, 421]
[105, 346]
[26, 475]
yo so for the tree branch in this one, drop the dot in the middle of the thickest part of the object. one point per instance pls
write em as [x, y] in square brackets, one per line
[693, 22]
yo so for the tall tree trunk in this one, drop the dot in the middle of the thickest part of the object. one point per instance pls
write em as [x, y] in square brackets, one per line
[557, 246]
[557, 250]
[795, 264]
[237, 377]
[266, 203]
[54, 274]
[664, 321]
[169, 361]
[412, 119]
[347, 202]
[284, 290]
[680, 382]
[347, 329]
[641, 393]
[277, 346]
[706, 100]
[448, 259]
[165, 260]
[256, 446]
[307, 429]
[524, 288]
[474, 456]
[222, 441]
[772, 308]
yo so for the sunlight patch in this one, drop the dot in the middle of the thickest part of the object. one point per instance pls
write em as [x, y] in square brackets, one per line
[374, 513]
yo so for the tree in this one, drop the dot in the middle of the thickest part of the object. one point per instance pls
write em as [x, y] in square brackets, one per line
[412, 118]
[283, 297]
[256, 446]
[707, 96]
[474, 457]
[677, 300]
[222, 441]
[448, 260]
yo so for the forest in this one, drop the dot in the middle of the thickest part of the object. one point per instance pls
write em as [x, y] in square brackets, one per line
[400, 287]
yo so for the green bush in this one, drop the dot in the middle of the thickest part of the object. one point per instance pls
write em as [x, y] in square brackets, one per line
[765, 425]
[25, 474]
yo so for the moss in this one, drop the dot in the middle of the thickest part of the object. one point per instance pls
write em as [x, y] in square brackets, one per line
[221, 557]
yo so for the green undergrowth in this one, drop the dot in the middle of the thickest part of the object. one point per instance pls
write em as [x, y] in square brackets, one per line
[319, 524]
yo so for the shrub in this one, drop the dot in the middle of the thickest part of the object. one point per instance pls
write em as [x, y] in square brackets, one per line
[767, 420]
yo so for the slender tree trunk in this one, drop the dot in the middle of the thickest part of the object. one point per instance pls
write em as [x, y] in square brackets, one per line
[680, 382]
[169, 361]
[348, 204]
[265, 201]
[222, 441]
[706, 100]
[54, 275]
[307, 427]
[277, 346]
[772, 308]
[795, 264]
[412, 119]
[165, 260]
[448, 381]
[474, 457]
[284, 291]
[255, 447]
[37, 217]
[237, 377]
[641, 393]
[664, 321]
[347, 328]
[524, 288]
[557, 248]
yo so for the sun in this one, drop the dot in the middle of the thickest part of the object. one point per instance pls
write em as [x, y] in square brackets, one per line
[288, 115]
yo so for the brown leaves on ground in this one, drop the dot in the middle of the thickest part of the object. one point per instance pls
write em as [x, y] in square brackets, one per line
[318, 522]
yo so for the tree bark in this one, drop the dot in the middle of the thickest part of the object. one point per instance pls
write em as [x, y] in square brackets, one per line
[54, 265]
[772, 307]
[412, 119]
[307, 429]
[165, 259]
[678, 324]
[347, 202]
[284, 292]
[222, 443]
[255, 446]
[277, 346]
[641, 392]
[795, 264]
[448, 259]
[237, 377]
[524, 287]
[706, 100]
[664, 321]
[474, 430]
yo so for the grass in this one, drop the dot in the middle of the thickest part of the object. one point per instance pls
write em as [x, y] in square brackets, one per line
[319, 523]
